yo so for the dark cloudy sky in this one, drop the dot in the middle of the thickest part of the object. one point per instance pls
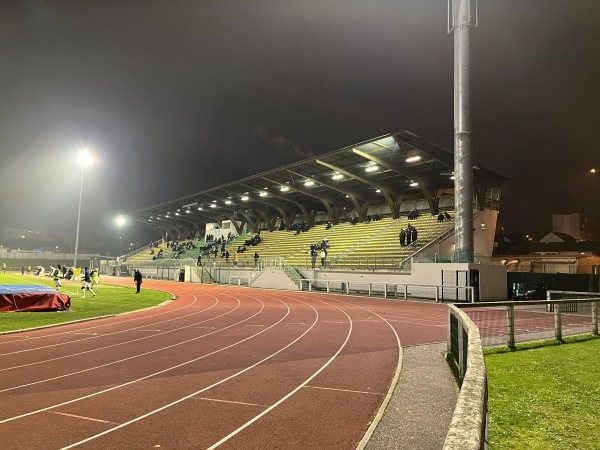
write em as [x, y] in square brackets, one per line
[173, 97]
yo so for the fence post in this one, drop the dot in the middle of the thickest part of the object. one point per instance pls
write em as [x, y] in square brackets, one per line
[558, 321]
[327, 285]
[510, 313]
[595, 306]
[437, 297]
[405, 292]
[461, 355]
[370, 288]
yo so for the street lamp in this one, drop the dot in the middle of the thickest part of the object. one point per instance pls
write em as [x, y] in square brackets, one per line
[85, 159]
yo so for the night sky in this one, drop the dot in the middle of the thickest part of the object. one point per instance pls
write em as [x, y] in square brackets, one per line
[173, 97]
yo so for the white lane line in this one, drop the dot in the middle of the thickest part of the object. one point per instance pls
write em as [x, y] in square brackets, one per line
[388, 396]
[253, 325]
[331, 321]
[102, 335]
[71, 355]
[152, 331]
[344, 390]
[194, 394]
[128, 358]
[118, 323]
[30, 413]
[83, 417]
[228, 401]
[416, 323]
[283, 399]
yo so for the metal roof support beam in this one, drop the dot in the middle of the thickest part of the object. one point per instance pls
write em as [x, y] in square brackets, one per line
[385, 192]
[300, 206]
[407, 174]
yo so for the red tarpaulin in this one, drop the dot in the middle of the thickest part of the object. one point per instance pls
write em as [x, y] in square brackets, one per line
[34, 301]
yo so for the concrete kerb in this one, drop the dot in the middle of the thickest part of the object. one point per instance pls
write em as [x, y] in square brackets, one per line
[468, 429]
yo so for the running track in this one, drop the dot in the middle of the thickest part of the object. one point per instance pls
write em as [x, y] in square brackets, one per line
[219, 366]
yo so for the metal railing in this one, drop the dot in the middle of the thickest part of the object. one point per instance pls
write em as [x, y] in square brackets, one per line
[473, 325]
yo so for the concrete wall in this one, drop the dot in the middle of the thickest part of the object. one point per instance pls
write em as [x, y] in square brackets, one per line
[492, 278]
[274, 279]
[353, 275]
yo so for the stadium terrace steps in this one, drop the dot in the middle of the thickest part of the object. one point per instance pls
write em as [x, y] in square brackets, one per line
[350, 245]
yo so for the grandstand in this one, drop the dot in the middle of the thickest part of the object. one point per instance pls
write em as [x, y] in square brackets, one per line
[366, 191]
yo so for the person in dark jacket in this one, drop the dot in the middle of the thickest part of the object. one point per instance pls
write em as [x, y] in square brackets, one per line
[137, 277]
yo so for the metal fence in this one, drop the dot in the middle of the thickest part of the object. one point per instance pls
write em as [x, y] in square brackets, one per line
[520, 321]
[390, 290]
[471, 326]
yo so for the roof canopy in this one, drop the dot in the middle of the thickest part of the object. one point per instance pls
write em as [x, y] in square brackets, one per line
[386, 170]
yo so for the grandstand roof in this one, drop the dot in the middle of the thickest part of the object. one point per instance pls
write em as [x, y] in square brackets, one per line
[386, 170]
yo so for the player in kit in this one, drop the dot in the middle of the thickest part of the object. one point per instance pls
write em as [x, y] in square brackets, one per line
[87, 283]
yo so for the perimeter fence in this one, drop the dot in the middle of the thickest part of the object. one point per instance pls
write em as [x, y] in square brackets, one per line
[471, 326]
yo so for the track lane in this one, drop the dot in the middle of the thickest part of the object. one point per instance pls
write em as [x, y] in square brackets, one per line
[351, 384]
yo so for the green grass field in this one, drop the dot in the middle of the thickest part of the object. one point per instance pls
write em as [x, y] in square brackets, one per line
[545, 395]
[110, 300]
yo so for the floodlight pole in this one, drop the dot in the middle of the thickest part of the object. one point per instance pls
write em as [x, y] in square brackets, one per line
[78, 216]
[460, 19]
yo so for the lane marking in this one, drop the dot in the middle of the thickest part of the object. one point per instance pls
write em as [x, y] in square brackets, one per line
[344, 390]
[228, 401]
[151, 331]
[83, 417]
[194, 394]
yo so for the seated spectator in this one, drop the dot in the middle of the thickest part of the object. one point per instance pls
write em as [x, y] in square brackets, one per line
[328, 225]
[376, 217]
[447, 217]
[441, 217]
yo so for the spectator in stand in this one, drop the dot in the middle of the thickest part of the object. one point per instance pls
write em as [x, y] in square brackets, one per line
[328, 225]
[441, 217]
[402, 237]
[409, 235]
[313, 257]
[323, 256]
[256, 256]
[227, 256]
[368, 220]
[376, 217]
[447, 217]
[414, 235]
[236, 258]
[199, 260]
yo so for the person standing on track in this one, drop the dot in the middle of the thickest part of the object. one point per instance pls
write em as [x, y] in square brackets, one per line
[137, 277]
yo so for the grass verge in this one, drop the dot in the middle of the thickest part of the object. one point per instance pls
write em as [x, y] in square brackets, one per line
[110, 300]
[545, 395]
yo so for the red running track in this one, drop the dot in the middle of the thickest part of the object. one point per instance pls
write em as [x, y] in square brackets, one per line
[219, 366]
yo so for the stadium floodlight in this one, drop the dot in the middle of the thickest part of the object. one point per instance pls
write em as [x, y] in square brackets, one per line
[413, 159]
[372, 168]
[85, 159]
[592, 170]
[120, 220]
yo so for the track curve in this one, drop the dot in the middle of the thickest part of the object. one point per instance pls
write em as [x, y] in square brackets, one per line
[218, 367]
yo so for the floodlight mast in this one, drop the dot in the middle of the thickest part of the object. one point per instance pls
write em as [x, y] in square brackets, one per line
[85, 159]
[460, 19]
